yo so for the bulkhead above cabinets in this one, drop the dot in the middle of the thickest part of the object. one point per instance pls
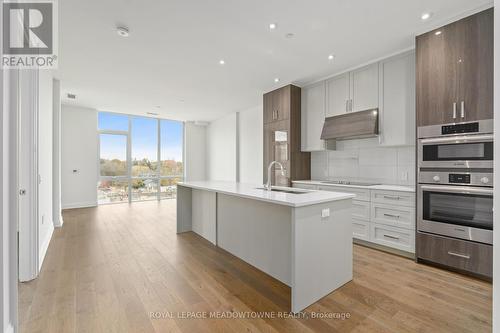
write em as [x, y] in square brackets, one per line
[387, 85]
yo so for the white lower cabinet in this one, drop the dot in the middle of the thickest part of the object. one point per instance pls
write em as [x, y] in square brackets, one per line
[361, 228]
[398, 238]
[379, 216]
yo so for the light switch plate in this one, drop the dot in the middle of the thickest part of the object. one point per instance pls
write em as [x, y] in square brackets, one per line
[325, 212]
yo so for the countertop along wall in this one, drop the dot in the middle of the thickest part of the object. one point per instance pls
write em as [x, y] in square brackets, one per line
[365, 160]
[78, 152]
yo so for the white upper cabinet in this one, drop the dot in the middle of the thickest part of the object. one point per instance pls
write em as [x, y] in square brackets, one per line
[337, 92]
[364, 88]
[397, 100]
[313, 116]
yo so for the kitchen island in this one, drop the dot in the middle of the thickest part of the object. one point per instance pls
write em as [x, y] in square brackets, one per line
[300, 237]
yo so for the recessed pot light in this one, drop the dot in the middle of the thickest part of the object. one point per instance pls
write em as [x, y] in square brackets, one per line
[273, 26]
[331, 56]
[437, 33]
[221, 62]
[122, 31]
[426, 16]
[277, 80]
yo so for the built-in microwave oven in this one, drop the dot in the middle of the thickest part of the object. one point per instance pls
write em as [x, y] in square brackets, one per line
[462, 151]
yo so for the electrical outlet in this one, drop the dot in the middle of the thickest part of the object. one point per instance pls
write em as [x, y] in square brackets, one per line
[325, 212]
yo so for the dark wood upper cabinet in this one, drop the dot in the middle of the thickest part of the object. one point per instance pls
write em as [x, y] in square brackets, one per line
[282, 131]
[454, 72]
[476, 67]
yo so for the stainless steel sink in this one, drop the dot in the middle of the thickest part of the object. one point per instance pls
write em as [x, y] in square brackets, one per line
[290, 190]
[347, 182]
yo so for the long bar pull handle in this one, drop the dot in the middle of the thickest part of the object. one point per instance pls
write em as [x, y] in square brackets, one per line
[392, 237]
[392, 215]
[392, 197]
[462, 109]
[454, 110]
[465, 256]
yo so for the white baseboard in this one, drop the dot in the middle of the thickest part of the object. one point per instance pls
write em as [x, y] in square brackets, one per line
[79, 205]
[9, 328]
[44, 247]
[59, 222]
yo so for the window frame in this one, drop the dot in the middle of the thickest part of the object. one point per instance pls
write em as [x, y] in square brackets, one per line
[128, 178]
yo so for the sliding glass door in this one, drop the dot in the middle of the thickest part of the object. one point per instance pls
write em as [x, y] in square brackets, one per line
[140, 158]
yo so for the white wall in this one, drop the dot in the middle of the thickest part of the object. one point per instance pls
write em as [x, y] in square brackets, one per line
[78, 152]
[45, 148]
[365, 160]
[195, 151]
[496, 212]
[56, 155]
[251, 145]
[221, 149]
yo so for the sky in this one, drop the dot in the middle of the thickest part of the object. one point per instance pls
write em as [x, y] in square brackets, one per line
[144, 136]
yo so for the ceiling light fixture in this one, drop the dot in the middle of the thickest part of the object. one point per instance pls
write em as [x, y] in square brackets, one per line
[437, 33]
[425, 16]
[331, 56]
[277, 80]
[272, 26]
[122, 31]
[221, 62]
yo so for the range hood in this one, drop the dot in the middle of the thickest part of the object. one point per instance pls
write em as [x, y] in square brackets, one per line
[353, 125]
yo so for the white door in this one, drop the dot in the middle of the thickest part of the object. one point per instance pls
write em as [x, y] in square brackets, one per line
[364, 88]
[313, 116]
[337, 95]
[28, 175]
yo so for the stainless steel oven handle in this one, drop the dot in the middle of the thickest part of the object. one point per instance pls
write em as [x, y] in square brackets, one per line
[457, 189]
[465, 256]
[459, 139]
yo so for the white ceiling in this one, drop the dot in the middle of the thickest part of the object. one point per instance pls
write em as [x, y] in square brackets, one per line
[171, 58]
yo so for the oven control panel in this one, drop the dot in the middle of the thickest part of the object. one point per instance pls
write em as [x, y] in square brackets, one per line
[459, 178]
[456, 178]
[460, 128]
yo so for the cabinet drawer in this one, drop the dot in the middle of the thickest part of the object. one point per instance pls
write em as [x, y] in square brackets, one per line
[360, 229]
[401, 239]
[468, 256]
[394, 197]
[305, 186]
[397, 216]
[361, 209]
[361, 194]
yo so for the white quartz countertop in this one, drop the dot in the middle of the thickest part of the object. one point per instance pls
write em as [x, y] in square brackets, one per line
[250, 191]
[399, 188]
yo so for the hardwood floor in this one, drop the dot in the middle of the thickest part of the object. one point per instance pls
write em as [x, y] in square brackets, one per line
[109, 267]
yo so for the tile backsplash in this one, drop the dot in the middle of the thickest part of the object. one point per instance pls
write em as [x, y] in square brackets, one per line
[365, 160]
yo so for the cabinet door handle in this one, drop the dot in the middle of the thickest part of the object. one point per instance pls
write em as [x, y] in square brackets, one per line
[277, 114]
[465, 256]
[392, 215]
[392, 237]
[346, 105]
[462, 109]
[391, 197]
[454, 110]
[350, 105]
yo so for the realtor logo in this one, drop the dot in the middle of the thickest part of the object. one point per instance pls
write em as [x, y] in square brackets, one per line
[29, 34]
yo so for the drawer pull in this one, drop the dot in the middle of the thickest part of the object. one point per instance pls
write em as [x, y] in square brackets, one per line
[392, 197]
[459, 229]
[391, 237]
[392, 215]
[465, 256]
